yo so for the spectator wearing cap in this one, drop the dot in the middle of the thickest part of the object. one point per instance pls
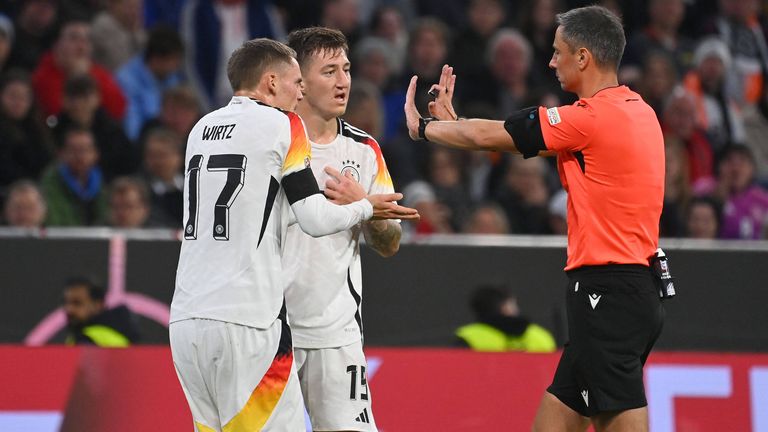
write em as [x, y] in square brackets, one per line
[145, 77]
[717, 112]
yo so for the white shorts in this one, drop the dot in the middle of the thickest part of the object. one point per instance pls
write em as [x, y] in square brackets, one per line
[237, 378]
[335, 388]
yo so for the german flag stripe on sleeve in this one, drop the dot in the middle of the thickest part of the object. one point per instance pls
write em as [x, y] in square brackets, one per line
[299, 152]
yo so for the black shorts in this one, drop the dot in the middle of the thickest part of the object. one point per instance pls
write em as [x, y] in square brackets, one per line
[614, 318]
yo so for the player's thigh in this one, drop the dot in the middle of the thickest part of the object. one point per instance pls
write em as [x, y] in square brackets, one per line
[183, 339]
[334, 383]
[252, 377]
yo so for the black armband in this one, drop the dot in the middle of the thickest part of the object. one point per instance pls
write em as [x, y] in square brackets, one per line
[423, 122]
[299, 185]
[524, 128]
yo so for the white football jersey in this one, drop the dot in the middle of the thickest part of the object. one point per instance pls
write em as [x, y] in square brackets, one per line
[324, 290]
[236, 213]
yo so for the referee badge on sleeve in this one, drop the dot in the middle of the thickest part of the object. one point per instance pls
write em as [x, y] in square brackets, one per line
[553, 116]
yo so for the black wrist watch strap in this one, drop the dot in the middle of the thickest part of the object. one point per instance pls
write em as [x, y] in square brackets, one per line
[423, 126]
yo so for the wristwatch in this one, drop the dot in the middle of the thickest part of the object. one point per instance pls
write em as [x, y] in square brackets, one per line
[423, 126]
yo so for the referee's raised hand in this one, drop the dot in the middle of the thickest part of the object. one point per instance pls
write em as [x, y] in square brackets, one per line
[441, 107]
[412, 115]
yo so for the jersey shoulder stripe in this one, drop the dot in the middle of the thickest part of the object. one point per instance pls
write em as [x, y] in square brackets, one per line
[299, 151]
[382, 174]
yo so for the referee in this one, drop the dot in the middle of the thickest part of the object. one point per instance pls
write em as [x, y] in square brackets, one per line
[610, 158]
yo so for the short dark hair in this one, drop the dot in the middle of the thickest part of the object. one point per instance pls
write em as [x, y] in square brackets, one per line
[486, 301]
[316, 40]
[163, 41]
[598, 30]
[122, 185]
[249, 62]
[95, 292]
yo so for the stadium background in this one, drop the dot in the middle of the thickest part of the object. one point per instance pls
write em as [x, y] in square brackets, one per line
[710, 372]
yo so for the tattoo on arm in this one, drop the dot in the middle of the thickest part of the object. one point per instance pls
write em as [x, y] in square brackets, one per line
[383, 236]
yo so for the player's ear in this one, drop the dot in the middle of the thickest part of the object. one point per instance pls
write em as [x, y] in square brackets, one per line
[583, 58]
[269, 80]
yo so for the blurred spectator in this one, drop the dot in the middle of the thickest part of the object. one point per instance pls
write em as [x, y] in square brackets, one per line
[25, 206]
[677, 188]
[756, 131]
[427, 53]
[452, 13]
[658, 80]
[661, 34]
[145, 77]
[435, 216]
[446, 175]
[679, 121]
[212, 30]
[118, 33]
[6, 41]
[128, 203]
[364, 108]
[26, 147]
[509, 58]
[524, 196]
[89, 322]
[73, 187]
[81, 108]
[499, 325]
[745, 204]
[163, 12]
[538, 25]
[738, 26]
[703, 218]
[342, 15]
[373, 62]
[179, 111]
[388, 23]
[34, 33]
[163, 167]
[716, 111]
[70, 57]
[487, 218]
[558, 212]
[468, 54]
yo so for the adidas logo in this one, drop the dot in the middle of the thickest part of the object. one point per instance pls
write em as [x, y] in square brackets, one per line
[593, 299]
[585, 396]
[363, 417]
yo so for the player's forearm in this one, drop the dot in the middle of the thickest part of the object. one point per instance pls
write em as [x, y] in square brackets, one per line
[472, 134]
[383, 236]
[318, 217]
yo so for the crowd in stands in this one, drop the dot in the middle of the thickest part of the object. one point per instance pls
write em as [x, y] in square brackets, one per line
[97, 98]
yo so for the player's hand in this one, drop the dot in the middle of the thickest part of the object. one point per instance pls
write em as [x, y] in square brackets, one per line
[342, 189]
[384, 207]
[442, 107]
[412, 115]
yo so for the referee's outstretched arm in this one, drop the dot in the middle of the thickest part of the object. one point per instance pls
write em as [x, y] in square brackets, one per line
[475, 134]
